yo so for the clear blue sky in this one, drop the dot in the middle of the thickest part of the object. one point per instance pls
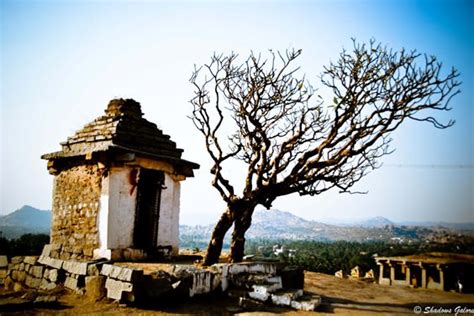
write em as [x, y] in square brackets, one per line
[62, 61]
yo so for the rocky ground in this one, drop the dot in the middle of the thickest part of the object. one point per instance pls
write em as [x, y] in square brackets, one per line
[339, 296]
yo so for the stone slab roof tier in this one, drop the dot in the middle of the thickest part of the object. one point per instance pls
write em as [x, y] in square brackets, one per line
[123, 130]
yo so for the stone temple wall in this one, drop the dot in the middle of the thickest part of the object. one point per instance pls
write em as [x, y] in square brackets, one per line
[76, 202]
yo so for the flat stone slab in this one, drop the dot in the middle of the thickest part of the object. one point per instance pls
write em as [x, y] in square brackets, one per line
[30, 260]
[284, 298]
[307, 302]
[121, 273]
[51, 262]
[115, 288]
[253, 267]
[75, 267]
[3, 261]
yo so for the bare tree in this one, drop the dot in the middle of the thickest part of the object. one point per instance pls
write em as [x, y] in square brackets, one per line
[263, 113]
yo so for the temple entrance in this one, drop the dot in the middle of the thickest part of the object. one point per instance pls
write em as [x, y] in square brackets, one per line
[147, 212]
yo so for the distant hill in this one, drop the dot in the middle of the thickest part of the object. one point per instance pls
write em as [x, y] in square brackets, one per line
[278, 225]
[377, 221]
[25, 220]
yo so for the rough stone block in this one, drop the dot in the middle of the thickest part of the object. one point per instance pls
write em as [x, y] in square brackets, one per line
[253, 267]
[75, 267]
[46, 285]
[106, 269]
[115, 272]
[71, 283]
[51, 262]
[53, 275]
[13, 266]
[307, 303]
[263, 292]
[17, 259]
[3, 275]
[37, 271]
[77, 250]
[32, 282]
[30, 260]
[3, 261]
[14, 275]
[21, 267]
[259, 296]
[46, 274]
[21, 276]
[95, 287]
[130, 275]
[284, 298]
[56, 246]
[17, 287]
[116, 288]
[8, 283]
[202, 283]
[46, 251]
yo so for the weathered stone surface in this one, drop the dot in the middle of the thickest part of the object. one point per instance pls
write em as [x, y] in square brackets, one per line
[32, 282]
[130, 275]
[46, 251]
[3, 273]
[53, 275]
[263, 292]
[202, 283]
[21, 267]
[284, 298]
[71, 283]
[223, 270]
[75, 267]
[37, 271]
[51, 262]
[8, 283]
[30, 260]
[17, 287]
[115, 288]
[46, 285]
[95, 287]
[306, 303]
[106, 269]
[76, 188]
[21, 276]
[16, 260]
[3, 261]
[253, 267]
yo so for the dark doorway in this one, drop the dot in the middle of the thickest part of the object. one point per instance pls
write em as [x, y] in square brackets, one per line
[147, 212]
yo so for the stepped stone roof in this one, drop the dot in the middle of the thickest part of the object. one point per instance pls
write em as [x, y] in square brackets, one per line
[123, 129]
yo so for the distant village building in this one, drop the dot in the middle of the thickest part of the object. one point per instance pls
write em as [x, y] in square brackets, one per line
[441, 271]
[116, 188]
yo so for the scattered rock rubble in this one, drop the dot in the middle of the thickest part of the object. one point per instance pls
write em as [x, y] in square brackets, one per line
[253, 284]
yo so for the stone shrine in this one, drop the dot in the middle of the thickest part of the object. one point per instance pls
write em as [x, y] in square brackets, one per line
[116, 188]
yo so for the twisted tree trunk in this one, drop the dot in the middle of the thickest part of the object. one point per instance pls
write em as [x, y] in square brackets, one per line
[217, 239]
[241, 225]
